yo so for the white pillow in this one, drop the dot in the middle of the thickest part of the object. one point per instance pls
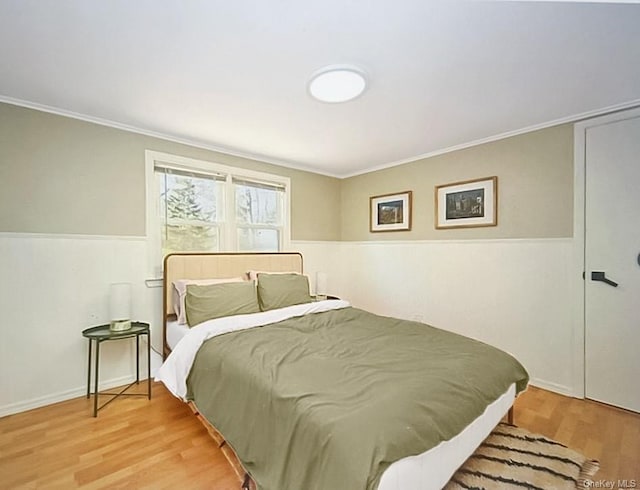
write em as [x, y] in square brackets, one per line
[180, 293]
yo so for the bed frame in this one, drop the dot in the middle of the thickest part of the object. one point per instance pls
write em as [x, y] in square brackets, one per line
[225, 265]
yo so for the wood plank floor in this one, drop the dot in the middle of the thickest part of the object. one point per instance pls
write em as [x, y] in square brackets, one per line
[608, 434]
[136, 443]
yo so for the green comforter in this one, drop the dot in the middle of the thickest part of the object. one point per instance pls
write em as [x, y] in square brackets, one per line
[329, 400]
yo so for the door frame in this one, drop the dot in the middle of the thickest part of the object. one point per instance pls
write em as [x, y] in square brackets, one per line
[579, 241]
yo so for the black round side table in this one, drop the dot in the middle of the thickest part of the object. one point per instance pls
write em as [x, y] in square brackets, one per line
[102, 333]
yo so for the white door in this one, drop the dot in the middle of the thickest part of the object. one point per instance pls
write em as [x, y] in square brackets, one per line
[612, 257]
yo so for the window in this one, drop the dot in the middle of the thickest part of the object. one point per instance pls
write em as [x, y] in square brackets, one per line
[196, 206]
[259, 212]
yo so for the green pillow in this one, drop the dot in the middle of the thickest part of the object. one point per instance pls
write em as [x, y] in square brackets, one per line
[204, 303]
[280, 290]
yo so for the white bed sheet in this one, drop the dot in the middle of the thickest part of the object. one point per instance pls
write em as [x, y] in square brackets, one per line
[429, 470]
[175, 332]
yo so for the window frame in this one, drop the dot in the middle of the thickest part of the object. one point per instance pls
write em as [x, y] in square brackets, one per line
[228, 228]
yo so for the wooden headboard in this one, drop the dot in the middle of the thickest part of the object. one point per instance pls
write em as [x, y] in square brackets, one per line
[218, 265]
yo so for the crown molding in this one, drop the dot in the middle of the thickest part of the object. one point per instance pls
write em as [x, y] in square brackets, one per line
[164, 136]
[556, 122]
[305, 168]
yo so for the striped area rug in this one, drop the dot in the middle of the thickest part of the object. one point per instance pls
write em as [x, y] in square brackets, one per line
[513, 458]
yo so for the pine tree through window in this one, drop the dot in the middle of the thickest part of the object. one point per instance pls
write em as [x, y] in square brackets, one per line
[206, 207]
[189, 205]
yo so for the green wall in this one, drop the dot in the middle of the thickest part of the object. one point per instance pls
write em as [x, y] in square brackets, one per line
[535, 189]
[63, 175]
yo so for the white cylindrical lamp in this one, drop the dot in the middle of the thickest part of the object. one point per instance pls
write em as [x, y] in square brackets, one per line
[120, 306]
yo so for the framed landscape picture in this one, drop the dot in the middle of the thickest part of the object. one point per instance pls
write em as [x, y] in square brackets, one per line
[390, 212]
[467, 204]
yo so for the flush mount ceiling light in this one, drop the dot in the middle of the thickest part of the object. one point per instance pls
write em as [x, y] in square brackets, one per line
[337, 83]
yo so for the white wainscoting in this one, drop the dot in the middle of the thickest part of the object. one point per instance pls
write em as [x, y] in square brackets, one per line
[51, 288]
[514, 294]
[324, 257]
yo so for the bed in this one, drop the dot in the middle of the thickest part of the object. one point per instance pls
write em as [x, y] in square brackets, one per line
[323, 395]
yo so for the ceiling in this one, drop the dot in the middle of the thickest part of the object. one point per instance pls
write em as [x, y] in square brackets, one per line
[232, 75]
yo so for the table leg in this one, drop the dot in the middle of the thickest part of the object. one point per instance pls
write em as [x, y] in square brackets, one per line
[149, 364]
[137, 359]
[89, 372]
[95, 394]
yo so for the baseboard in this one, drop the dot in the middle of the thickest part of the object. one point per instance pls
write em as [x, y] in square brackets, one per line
[61, 396]
[550, 386]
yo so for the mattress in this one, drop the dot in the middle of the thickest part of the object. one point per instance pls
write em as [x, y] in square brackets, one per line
[175, 332]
